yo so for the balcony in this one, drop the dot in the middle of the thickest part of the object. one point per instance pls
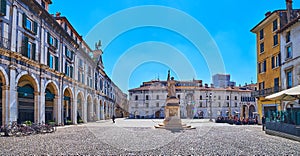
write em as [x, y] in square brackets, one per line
[266, 92]
[4, 43]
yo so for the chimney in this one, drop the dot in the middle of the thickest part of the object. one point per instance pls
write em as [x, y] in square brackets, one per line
[57, 14]
[267, 13]
[289, 8]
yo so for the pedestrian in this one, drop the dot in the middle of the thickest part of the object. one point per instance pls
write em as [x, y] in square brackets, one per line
[113, 118]
[263, 121]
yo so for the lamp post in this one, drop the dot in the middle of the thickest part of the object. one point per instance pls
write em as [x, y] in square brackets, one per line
[210, 115]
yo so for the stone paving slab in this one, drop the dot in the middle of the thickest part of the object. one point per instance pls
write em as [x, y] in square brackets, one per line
[138, 137]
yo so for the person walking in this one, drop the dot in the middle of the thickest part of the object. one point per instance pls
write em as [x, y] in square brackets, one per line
[113, 118]
[263, 121]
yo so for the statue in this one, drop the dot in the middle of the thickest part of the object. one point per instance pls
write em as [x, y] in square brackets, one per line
[171, 86]
[98, 45]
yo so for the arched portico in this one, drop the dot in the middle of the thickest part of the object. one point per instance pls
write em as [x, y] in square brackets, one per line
[89, 108]
[51, 102]
[28, 99]
[67, 106]
[80, 108]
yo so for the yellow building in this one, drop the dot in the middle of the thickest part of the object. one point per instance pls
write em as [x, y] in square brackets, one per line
[269, 57]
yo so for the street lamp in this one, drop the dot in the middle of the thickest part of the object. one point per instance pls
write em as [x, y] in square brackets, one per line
[210, 115]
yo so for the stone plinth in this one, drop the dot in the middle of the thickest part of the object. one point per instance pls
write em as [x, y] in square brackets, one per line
[172, 119]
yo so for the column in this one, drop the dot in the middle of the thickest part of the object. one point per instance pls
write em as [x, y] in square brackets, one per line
[14, 30]
[37, 107]
[12, 106]
[102, 112]
[42, 107]
[74, 111]
[55, 109]
[98, 110]
[84, 112]
[59, 109]
[5, 105]
[247, 112]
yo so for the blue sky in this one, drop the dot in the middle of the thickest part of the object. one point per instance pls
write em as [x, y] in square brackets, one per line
[228, 23]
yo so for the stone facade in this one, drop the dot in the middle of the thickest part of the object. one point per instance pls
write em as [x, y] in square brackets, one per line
[148, 101]
[47, 72]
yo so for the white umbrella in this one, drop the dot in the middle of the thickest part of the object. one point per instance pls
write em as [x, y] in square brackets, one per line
[286, 95]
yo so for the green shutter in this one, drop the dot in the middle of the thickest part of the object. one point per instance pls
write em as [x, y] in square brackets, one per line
[3, 7]
[48, 37]
[33, 51]
[35, 25]
[24, 20]
[24, 50]
[56, 43]
[71, 72]
[66, 49]
[66, 68]
[48, 58]
[56, 63]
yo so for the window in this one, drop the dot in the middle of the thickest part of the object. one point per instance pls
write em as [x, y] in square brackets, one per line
[275, 40]
[263, 66]
[261, 85]
[289, 79]
[261, 34]
[28, 48]
[52, 60]
[262, 47]
[235, 104]
[69, 53]
[275, 25]
[288, 37]
[200, 104]
[147, 97]
[69, 70]
[157, 104]
[276, 61]
[136, 98]
[227, 97]
[288, 52]
[157, 97]
[136, 105]
[178, 96]
[2, 7]
[80, 63]
[200, 97]
[147, 105]
[52, 41]
[235, 97]
[29, 24]
[219, 97]
[227, 103]
[276, 84]
[219, 103]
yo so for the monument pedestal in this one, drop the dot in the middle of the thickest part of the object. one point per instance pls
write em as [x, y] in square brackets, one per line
[172, 119]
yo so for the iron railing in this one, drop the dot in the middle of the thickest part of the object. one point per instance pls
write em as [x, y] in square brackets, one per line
[266, 92]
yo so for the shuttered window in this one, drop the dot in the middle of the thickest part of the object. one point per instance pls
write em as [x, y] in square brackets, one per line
[2, 7]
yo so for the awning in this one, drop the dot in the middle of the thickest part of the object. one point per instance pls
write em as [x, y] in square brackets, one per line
[286, 95]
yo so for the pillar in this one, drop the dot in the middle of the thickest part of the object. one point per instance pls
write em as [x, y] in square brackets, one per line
[37, 108]
[59, 109]
[5, 105]
[98, 110]
[42, 110]
[74, 111]
[12, 106]
[84, 112]
[55, 109]
[14, 30]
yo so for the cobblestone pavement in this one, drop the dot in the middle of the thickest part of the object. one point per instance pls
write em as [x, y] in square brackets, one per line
[138, 137]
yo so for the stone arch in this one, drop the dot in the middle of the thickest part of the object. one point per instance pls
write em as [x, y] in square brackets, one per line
[67, 105]
[28, 101]
[252, 109]
[80, 107]
[4, 77]
[34, 80]
[89, 108]
[51, 101]
[54, 85]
